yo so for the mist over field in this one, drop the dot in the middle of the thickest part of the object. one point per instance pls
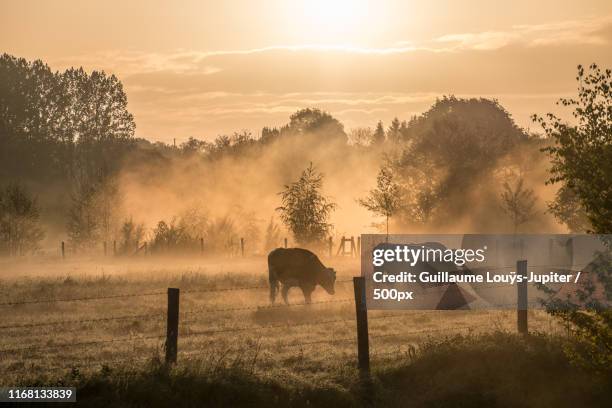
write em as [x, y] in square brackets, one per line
[452, 165]
[184, 189]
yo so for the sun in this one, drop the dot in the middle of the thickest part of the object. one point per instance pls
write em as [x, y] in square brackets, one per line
[333, 17]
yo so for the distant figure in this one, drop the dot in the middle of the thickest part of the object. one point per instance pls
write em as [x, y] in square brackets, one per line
[298, 267]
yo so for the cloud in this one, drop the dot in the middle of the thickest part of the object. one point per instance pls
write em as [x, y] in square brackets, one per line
[589, 31]
[205, 93]
[572, 32]
[133, 62]
[489, 40]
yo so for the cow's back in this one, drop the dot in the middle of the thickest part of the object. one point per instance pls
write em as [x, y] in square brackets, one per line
[294, 264]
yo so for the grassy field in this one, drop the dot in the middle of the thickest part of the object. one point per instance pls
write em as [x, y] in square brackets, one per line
[235, 350]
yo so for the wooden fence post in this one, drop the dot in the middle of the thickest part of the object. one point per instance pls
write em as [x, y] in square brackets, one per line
[201, 245]
[521, 306]
[341, 247]
[242, 247]
[285, 242]
[104, 248]
[63, 251]
[146, 248]
[172, 326]
[361, 312]
[115, 248]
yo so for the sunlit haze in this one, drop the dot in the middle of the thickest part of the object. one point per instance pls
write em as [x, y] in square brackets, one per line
[203, 68]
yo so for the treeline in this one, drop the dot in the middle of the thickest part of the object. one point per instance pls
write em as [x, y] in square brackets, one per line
[66, 137]
[54, 125]
[63, 131]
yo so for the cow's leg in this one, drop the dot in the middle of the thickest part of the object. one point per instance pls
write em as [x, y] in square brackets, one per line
[307, 290]
[273, 284]
[285, 293]
[273, 290]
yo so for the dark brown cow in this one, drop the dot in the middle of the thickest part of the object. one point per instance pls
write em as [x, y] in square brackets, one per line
[292, 267]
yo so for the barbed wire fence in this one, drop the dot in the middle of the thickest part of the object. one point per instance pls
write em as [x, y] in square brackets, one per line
[361, 337]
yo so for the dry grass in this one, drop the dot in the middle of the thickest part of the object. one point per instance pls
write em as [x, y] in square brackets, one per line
[303, 347]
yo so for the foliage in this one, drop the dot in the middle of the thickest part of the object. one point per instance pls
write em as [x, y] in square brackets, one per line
[378, 138]
[272, 237]
[169, 236]
[94, 214]
[305, 211]
[248, 228]
[566, 207]
[361, 136]
[386, 198]
[131, 234]
[419, 183]
[239, 144]
[450, 148]
[68, 128]
[192, 146]
[83, 222]
[587, 314]
[518, 202]
[447, 371]
[181, 234]
[67, 123]
[396, 131]
[20, 229]
[107, 201]
[464, 371]
[317, 122]
[582, 162]
[222, 235]
[310, 123]
[582, 152]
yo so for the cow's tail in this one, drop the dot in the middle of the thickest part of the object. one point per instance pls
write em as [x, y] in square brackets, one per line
[274, 284]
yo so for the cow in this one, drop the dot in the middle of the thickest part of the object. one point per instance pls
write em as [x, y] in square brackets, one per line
[292, 267]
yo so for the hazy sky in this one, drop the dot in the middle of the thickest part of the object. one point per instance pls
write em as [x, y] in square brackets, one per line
[200, 68]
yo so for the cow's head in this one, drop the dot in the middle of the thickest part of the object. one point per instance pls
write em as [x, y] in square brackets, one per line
[328, 279]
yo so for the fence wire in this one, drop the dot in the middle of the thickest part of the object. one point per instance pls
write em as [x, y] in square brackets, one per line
[78, 321]
[213, 331]
[83, 299]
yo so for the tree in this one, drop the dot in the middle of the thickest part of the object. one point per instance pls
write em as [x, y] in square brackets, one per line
[582, 163]
[315, 122]
[102, 126]
[386, 198]
[361, 136]
[83, 221]
[582, 152]
[586, 313]
[518, 202]
[453, 149]
[393, 133]
[20, 229]
[305, 211]
[67, 123]
[94, 213]
[192, 146]
[420, 186]
[131, 234]
[379, 134]
[273, 236]
[566, 207]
